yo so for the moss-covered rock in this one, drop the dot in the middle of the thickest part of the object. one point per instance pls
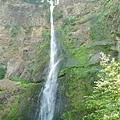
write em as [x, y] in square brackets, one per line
[105, 25]
[18, 99]
[79, 44]
[2, 72]
[82, 64]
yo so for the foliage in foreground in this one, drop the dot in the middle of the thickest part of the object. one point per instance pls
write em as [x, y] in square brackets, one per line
[104, 103]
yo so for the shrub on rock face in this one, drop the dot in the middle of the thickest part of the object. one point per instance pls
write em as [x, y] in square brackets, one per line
[2, 72]
[104, 103]
[105, 24]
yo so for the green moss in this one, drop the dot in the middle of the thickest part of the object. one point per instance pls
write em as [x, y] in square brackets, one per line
[28, 30]
[2, 72]
[1, 107]
[69, 21]
[81, 53]
[45, 35]
[13, 112]
[81, 80]
[24, 103]
[42, 54]
[28, 102]
[1, 91]
[22, 81]
[7, 26]
[105, 25]
[15, 31]
[57, 14]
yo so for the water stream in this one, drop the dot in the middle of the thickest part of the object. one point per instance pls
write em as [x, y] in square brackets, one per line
[48, 94]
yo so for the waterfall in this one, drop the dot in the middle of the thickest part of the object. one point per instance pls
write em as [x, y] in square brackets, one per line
[48, 94]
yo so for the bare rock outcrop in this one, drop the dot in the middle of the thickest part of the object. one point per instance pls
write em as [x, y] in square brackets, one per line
[21, 25]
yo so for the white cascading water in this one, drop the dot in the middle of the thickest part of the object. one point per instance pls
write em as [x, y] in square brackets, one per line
[48, 97]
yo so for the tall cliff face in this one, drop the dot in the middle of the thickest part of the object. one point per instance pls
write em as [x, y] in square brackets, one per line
[21, 26]
[83, 29]
[23, 23]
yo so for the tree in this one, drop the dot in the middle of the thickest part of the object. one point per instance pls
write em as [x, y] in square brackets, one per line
[104, 103]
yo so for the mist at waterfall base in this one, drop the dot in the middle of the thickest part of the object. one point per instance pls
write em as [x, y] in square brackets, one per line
[47, 96]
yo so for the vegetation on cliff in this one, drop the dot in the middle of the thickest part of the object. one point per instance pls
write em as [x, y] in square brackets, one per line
[87, 86]
[2, 72]
[18, 99]
[81, 77]
[104, 26]
[104, 103]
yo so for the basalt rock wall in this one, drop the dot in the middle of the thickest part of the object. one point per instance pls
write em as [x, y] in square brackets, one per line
[23, 23]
